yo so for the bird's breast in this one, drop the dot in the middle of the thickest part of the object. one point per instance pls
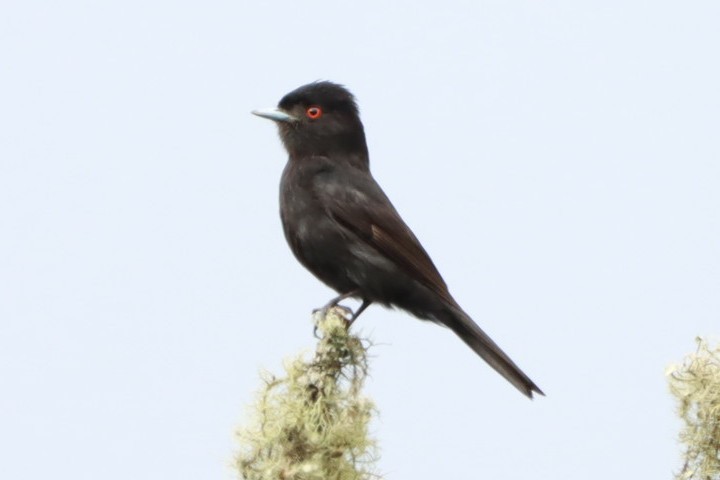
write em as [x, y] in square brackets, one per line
[315, 238]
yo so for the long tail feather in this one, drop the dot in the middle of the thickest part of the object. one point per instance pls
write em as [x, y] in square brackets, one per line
[465, 328]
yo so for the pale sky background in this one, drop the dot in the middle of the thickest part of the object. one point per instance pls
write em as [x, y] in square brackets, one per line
[559, 160]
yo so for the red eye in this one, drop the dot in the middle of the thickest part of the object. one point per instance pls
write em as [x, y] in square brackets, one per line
[314, 112]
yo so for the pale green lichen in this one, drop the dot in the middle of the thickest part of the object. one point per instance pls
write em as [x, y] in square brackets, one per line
[312, 424]
[696, 385]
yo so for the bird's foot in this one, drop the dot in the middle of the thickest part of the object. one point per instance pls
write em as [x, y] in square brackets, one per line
[320, 313]
[348, 315]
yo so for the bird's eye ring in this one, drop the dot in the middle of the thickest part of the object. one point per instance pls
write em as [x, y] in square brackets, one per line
[314, 112]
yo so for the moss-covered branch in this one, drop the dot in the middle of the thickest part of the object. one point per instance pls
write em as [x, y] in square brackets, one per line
[696, 385]
[312, 424]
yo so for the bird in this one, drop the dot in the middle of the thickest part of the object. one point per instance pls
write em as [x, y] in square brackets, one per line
[342, 227]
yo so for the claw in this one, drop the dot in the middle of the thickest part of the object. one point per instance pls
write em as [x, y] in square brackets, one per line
[335, 303]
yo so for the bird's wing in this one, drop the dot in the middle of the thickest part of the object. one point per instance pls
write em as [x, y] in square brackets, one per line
[360, 205]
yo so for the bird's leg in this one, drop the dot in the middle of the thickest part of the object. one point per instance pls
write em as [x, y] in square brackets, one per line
[334, 302]
[365, 303]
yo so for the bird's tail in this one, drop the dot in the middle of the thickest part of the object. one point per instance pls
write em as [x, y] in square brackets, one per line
[465, 328]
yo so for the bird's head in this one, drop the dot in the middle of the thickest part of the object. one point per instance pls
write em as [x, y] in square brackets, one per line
[320, 118]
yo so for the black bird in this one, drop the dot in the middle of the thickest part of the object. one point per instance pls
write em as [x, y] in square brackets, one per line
[342, 227]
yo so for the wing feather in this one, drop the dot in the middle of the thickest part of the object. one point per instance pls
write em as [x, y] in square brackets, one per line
[367, 212]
